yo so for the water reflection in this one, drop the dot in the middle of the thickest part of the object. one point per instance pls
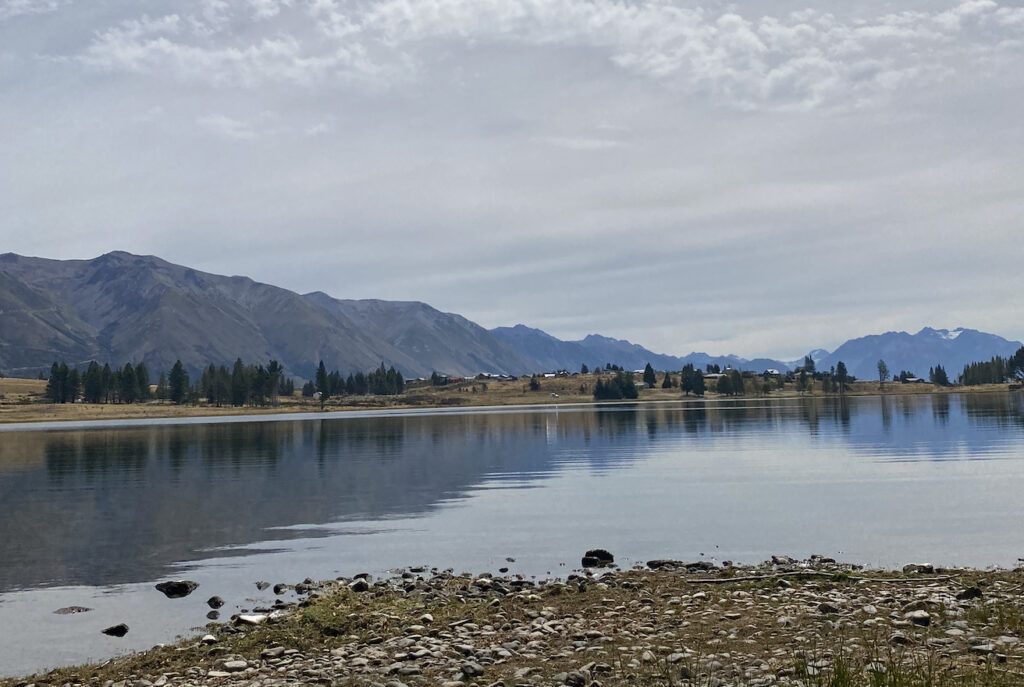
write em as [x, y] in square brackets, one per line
[114, 506]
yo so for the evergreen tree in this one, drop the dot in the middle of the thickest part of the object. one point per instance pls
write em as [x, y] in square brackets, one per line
[142, 380]
[724, 385]
[178, 385]
[74, 386]
[584, 369]
[649, 376]
[938, 376]
[92, 383]
[57, 384]
[109, 383]
[128, 386]
[534, 383]
[322, 384]
[883, 373]
[239, 384]
[667, 382]
[842, 377]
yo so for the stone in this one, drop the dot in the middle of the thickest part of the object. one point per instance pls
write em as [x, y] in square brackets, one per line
[899, 639]
[919, 617]
[827, 608]
[472, 669]
[119, 630]
[71, 610]
[359, 586]
[177, 589]
[215, 602]
[664, 563]
[261, 585]
[213, 615]
[208, 639]
[597, 558]
[280, 588]
[969, 594]
[918, 569]
[235, 666]
[251, 619]
[272, 652]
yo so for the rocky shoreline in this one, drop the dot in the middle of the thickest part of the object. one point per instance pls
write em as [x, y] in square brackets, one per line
[782, 622]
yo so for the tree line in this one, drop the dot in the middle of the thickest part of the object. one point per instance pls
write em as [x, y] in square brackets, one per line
[998, 370]
[381, 382]
[241, 385]
[98, 385]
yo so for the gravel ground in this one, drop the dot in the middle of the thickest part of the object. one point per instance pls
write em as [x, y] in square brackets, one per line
[783, 622]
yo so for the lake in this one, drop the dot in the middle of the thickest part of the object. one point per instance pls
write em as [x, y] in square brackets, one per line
[94, 517]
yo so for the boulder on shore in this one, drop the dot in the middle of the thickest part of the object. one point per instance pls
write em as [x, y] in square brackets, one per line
[119, 630]
[176, 589]
[597, 558]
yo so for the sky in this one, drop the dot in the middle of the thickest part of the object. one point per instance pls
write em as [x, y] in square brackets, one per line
[750, 178]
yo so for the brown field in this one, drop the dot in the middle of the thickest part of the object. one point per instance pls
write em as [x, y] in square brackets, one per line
[21, 400]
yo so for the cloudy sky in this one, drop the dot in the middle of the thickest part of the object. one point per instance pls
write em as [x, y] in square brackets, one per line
[691, 177]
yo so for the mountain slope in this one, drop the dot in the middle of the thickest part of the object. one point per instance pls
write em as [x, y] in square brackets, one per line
[554, 354]
[122, 307]
[918, 352]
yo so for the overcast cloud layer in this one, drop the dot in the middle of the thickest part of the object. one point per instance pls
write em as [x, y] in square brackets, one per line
[709, 178]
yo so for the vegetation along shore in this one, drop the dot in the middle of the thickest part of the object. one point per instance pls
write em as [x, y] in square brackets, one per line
[104, 393]
[781, 622]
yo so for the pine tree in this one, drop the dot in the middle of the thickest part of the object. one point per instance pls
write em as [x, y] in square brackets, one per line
[649, 377]
[178, 386]
[667, 382]
[142, 380]
[322, 384]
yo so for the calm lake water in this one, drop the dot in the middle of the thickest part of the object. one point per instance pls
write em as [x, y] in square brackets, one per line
[93, 517]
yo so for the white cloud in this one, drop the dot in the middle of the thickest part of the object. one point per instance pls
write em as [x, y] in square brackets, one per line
[15, 8]
[268, 9]
[225, 126]
[800, 61]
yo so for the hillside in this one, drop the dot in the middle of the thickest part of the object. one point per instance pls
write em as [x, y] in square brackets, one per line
[122, 307]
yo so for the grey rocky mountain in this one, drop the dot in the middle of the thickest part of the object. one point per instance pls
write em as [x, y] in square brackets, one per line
[916, 353]
[555, 354]
[121, 307]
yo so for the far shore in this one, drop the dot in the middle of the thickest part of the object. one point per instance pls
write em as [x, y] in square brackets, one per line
[22, 400]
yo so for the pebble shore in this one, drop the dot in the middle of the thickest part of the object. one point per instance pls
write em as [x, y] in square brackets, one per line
[782, 622]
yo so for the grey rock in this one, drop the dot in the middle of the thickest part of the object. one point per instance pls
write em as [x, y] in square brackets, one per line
[177, 589]
[71, 610]
[119, 630]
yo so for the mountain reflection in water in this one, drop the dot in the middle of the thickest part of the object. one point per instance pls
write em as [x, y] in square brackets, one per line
[113, 506]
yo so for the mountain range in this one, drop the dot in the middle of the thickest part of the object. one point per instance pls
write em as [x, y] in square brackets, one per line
[122, 308]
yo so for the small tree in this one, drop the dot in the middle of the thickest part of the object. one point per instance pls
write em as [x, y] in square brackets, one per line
[841, 376]
[584, 369]
[534, 383]
[649, 377]
[883, 373]
[323, 384]
[667, 383]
